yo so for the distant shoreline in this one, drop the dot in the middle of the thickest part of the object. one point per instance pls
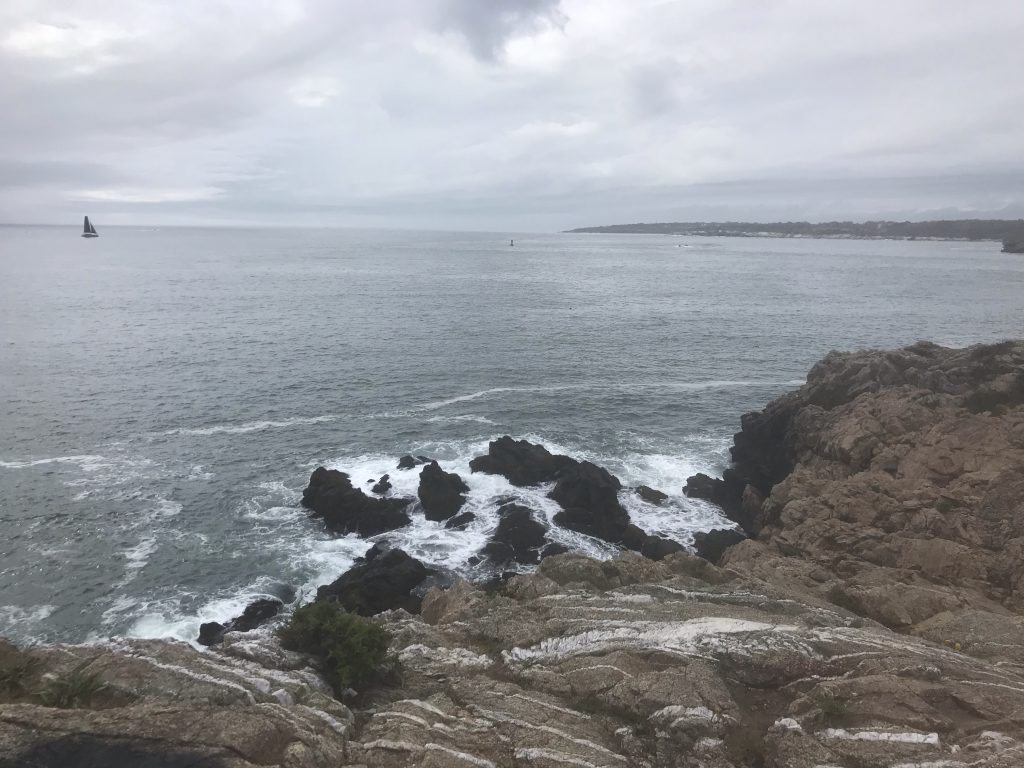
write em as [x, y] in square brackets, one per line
[956, 230]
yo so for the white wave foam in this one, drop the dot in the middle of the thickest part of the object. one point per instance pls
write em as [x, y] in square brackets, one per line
[136, 558]
[465, 417]
[165, 621]
[88, 462]
[12, 616]
[252, 426]
[495, 391]
[680, 385]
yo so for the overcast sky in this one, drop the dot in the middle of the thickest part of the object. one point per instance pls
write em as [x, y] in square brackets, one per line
[523, 115]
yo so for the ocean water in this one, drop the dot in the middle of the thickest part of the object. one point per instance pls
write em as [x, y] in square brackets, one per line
[165, 393]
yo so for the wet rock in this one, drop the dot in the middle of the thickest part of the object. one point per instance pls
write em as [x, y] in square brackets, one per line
[650, 495]
[658, 547]
[410, 462]
[518, 538]
[441, 493]
[552, 549]
[521, 462]
[383, 485]
[256, 613]
[460, 521]
[711, 545]
[345, 509]
[383, 579]
[588, 495]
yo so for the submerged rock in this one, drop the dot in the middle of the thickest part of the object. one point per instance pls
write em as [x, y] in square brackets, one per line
[256, 613]
[522, 463]
[441, 493]
[518, 538]
[383, 579]
[345, 509]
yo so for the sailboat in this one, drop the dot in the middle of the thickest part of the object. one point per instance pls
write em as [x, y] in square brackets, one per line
[90, 230]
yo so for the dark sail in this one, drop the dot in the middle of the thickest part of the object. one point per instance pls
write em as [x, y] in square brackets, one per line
[87, 229]
[90, 230]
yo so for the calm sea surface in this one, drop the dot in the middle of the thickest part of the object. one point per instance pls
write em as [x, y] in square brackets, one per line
[164, 394]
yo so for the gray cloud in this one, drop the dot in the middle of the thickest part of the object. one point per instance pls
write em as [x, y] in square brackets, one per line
[518, 114]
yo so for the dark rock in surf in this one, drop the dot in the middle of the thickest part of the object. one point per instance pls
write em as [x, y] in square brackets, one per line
[345, 509]
[383, 485]
[459, 522]
[521, 462]
[554, 548]
[518, 538]
[256, 613]
[650, 495]
[712, 544]
[588, 495]
[381, 580]
[441, 493]
[411, 462]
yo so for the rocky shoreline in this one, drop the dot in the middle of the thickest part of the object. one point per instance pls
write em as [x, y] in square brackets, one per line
[870, 613]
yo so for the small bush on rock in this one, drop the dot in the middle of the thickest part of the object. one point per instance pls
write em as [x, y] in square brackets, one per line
[352, 649]
[73, 690]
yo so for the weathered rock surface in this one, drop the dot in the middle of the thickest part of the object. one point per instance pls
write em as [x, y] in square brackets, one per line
[166, 704]
[382, 580]
[346, 509]
[441, 493]
[677, 663]
[892, 483]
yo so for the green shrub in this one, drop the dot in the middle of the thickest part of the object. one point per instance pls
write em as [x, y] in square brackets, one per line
[75, 689]
[832, 707]
[14, 677]
[352, 649]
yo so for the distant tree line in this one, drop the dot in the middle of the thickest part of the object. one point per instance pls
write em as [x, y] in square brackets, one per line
[954, 229]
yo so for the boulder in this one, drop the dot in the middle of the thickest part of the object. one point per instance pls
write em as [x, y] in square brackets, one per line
[588, 495]
[410, 462]
[383, 485]
[522, 463]
[650, 495]
[345, 509]
[711, 545]
[381, 580]
[441, 493]
[518, 538]
[552, 549]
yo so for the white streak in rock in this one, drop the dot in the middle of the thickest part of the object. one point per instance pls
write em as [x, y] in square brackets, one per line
[903, 738]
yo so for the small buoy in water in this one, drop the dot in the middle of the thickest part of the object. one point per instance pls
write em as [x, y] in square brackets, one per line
[511, 242]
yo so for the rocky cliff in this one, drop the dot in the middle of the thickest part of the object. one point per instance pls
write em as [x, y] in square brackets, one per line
[874, 618]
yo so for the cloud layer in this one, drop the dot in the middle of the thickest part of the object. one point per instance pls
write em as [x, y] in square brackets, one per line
[509, 114]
